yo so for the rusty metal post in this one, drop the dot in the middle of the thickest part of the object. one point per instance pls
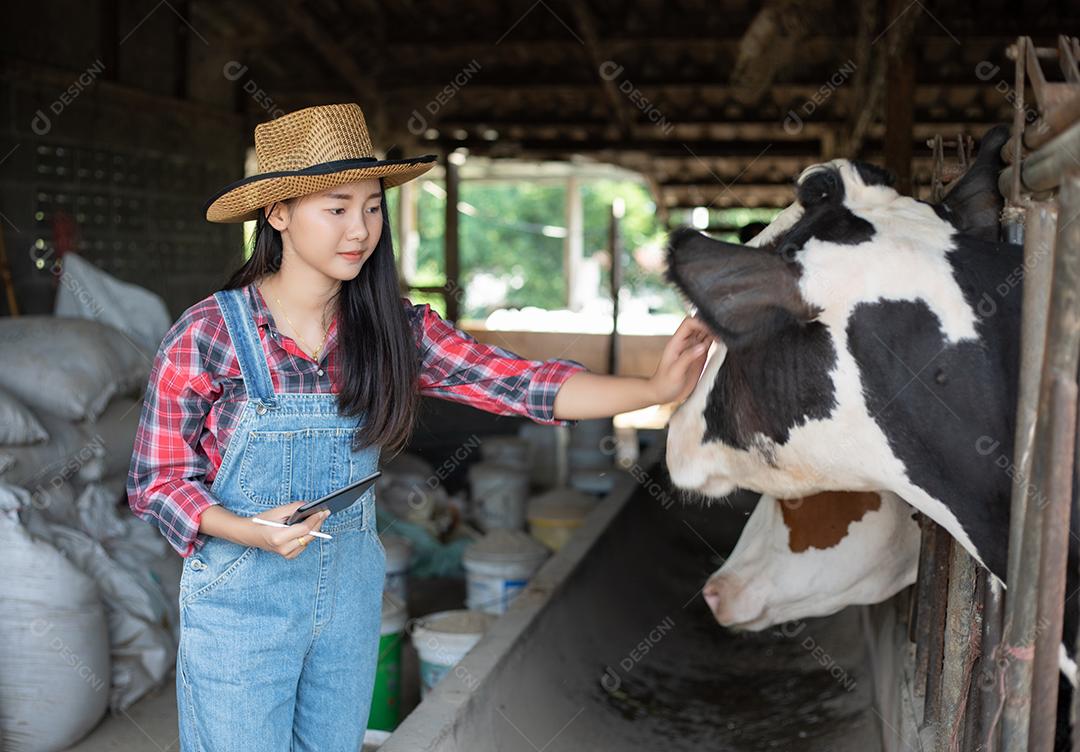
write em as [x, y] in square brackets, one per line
[1019, 624]
[1052, 464]
[1056, 438]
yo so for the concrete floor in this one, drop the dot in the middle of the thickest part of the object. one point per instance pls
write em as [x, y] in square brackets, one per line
[150, 724]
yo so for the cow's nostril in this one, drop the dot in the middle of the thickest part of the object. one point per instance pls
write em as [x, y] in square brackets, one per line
[713, 593]
[732, 603]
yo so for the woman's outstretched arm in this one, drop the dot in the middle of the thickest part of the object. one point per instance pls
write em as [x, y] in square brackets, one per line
[591, 395]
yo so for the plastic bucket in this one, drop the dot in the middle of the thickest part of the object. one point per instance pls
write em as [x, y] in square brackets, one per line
[398, 554]
[590, 434]
[505, 450]
[555, 515]
[498, 494]
[547, 453]
[373, 739]
[498, 567]
[442, 639]
[386, 698]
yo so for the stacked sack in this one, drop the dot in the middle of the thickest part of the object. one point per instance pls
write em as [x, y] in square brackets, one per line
[90, 620]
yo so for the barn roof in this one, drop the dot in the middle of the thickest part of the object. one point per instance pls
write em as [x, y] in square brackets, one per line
[713, 104]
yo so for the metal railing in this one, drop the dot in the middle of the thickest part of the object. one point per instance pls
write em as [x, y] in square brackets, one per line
[987, 665]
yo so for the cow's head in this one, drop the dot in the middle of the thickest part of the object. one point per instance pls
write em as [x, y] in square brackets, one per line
[853, 354]
[783, 303]
[801, 558]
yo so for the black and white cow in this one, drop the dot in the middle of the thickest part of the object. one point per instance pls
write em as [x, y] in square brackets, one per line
[870, 342]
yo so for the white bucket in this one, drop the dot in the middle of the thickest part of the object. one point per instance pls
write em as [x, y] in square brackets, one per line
[505, 450]
[398, 554]
[498, 567]
[442, 639]
[498, 495]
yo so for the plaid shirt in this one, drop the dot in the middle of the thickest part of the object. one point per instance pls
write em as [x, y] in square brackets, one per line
[196, 395]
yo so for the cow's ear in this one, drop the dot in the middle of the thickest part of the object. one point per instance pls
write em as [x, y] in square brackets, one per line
[973, 204]
[744, 294]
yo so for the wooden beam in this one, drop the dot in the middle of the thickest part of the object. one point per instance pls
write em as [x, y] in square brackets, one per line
[900, 94]
[451, 238]
[742, 195]
[652, 147]
[695, 127]
[618, 103]
[107, 37]
[325, 44]
[690, 89]
[467, 49]
[181, 48]
[769, 43]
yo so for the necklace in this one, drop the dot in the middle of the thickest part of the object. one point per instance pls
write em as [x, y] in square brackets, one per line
[314, 352]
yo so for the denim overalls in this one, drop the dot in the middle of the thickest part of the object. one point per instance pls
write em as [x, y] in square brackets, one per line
[280, 654]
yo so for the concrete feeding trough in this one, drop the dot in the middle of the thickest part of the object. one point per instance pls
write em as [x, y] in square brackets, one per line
[612, 647]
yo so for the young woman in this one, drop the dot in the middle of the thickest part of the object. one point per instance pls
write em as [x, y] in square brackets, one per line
[287, 384]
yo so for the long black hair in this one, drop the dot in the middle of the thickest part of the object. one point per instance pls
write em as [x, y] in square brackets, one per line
[377, 354]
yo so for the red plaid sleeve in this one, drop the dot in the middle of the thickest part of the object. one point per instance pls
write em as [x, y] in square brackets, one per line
[458, 368]
[166, 482]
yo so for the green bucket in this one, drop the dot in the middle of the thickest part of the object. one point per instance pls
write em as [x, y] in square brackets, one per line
[386, 699]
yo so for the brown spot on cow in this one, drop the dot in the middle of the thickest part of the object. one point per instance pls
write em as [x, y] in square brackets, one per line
[822, 520]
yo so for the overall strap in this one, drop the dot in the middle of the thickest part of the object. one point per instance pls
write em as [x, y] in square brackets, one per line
[245, 339]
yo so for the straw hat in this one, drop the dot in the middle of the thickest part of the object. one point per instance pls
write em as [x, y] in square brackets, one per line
[308, 151]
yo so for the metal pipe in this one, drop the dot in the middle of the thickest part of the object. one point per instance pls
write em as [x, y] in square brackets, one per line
[1012, 223]
[1019, 624]
[1055, 443]
[1043, 170]
[1052, 464]
[1016, 53]
[1045, 128]
[990, 695]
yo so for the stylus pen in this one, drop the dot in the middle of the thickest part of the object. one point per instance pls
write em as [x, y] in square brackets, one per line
[271, 523]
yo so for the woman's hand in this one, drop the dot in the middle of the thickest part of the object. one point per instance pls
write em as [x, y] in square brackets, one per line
[681, 362]
[288, 542]
[592, 395]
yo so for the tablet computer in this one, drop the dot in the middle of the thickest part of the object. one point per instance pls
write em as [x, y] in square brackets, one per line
[335, 501]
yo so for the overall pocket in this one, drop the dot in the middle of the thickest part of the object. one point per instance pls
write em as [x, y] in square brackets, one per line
[215, 564]
[279, 467]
